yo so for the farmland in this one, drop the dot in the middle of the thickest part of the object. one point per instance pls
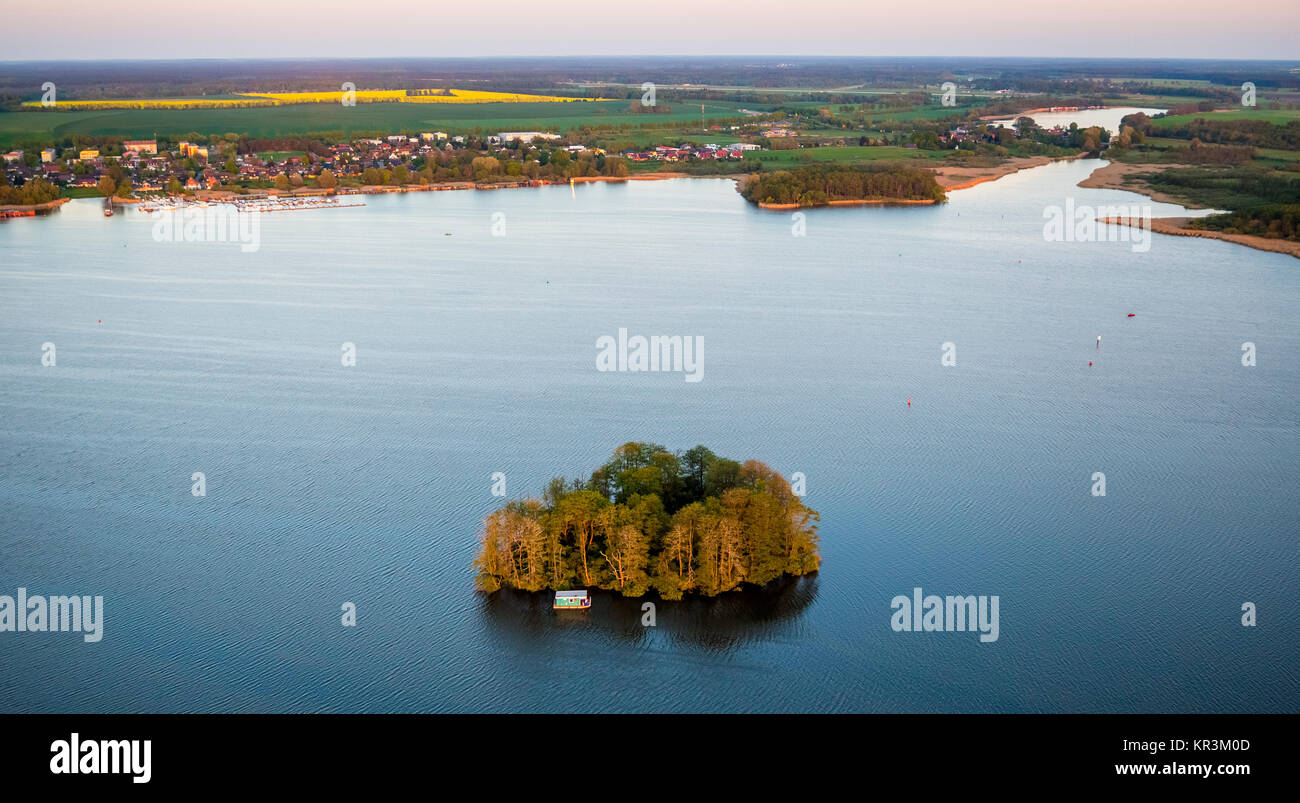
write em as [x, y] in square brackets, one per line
[277, 121]
[1269, 115]
[846, 154]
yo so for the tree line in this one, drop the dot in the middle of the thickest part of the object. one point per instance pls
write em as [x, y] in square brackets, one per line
[820, 184]
[36, 191]
[1276, 221]
[1257, 133]
[649, 519]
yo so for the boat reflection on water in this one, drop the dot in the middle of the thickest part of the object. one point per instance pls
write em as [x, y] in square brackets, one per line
[723, 623]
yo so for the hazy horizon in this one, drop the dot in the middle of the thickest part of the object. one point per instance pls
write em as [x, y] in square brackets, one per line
[959, 57]
[296, 29]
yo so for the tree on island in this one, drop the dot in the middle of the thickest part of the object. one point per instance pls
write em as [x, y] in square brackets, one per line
[107, 186]
[36, 191]
[652, 520]
[817, 185]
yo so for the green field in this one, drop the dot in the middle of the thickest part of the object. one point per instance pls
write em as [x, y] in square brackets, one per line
[659, 135]
[1276, 155]
[846, 154]
[275, 121]
[1279, 116]
[1150, 101]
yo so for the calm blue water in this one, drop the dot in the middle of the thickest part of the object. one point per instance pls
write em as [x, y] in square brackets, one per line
[475, 354]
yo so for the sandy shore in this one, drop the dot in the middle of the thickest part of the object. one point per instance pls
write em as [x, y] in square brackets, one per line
[961, 177]
[871, 202]
[1177, 226]
[1123, 176]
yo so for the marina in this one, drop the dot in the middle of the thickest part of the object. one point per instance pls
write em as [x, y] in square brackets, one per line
[258, 204]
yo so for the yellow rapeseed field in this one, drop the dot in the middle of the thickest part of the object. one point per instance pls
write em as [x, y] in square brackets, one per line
[289, 98]
[472, 96]
[169, 103]
[362, 96]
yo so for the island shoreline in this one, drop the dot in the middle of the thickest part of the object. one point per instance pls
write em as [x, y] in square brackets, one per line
[1111, 176]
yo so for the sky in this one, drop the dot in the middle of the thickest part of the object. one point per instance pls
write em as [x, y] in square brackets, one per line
[92, 29]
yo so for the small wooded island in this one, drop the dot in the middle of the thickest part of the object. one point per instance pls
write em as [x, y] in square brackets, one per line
[823, 185]
[650, 519]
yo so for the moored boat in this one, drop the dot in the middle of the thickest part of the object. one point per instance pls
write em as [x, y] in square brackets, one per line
[568, 600]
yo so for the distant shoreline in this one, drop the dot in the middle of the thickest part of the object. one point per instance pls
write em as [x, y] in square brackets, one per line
[1176, 226]
[953, 178]
[31, 210]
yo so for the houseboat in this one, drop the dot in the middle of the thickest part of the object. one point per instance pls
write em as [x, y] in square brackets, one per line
[566, 600]
[108, 206]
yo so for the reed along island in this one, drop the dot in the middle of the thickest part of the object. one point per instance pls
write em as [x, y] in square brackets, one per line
[651, 520]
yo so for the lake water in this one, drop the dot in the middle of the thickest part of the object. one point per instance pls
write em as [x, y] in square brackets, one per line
[1108, 118]
[476, 354]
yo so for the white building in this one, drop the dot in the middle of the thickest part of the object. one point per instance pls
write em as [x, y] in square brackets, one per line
[525, 136]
